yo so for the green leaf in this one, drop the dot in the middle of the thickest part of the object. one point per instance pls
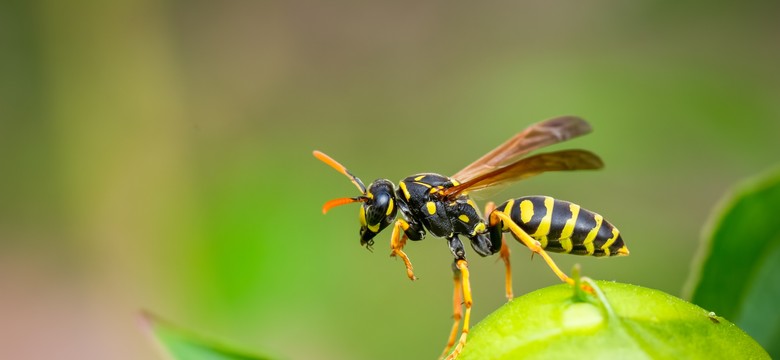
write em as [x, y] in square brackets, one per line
[178, 344]
[624, 322]
[737, 273]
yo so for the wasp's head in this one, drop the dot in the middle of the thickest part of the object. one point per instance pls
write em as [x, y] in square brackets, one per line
[378, 209]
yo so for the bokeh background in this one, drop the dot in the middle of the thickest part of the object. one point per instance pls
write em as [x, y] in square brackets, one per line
[157, 155]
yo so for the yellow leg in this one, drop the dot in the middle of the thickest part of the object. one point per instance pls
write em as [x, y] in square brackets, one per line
[528, 241]
[397, 243]
[462, 265]
[457, 303]
[504, 253]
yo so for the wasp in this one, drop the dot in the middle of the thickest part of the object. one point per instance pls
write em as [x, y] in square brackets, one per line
[441, 205]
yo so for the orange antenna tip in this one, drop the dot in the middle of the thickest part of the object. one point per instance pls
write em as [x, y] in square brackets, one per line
[329, 160]
[340, 168]
[338, 202]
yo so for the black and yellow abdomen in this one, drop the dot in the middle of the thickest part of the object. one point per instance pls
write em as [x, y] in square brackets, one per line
[564, 227]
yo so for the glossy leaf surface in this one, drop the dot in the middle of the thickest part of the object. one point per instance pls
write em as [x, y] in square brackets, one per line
[737, 273]
[633, 323]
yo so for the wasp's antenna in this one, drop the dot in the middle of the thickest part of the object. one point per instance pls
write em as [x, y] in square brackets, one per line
[340, 201]
[340, 168]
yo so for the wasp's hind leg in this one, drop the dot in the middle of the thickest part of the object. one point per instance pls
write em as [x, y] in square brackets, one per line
[497, 218]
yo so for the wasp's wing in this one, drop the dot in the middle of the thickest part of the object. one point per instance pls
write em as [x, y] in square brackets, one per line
[541, 134]
[533, 165]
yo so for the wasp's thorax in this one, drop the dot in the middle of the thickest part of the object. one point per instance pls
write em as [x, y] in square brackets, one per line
[378, 210]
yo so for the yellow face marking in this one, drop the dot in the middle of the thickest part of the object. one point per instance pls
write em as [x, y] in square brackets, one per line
[568, 228]
[594, 231]
[463, 218]
[390, 206]
[544, 224]
[373, 228]
[369, 194]
[566, 245]
[362, 216]
[402, 185]
[419, 178]
[526, 211]
[431, 207]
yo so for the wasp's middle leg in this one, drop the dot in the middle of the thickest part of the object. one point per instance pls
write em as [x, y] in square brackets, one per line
[463, 267]
[457, 306]
[463, 288]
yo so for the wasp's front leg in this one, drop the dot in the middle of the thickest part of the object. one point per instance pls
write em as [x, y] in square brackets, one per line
[398, 241]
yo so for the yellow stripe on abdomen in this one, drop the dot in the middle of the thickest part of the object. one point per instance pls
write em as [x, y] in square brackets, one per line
[610, 241]
[508, 211]
[544, 224]
[568, 228]
[588, 242]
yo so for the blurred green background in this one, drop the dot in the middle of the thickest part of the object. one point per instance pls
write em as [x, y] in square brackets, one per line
[157, 155]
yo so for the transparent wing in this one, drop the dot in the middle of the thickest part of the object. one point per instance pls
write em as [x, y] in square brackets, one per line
[565, 160]
[536, 136]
